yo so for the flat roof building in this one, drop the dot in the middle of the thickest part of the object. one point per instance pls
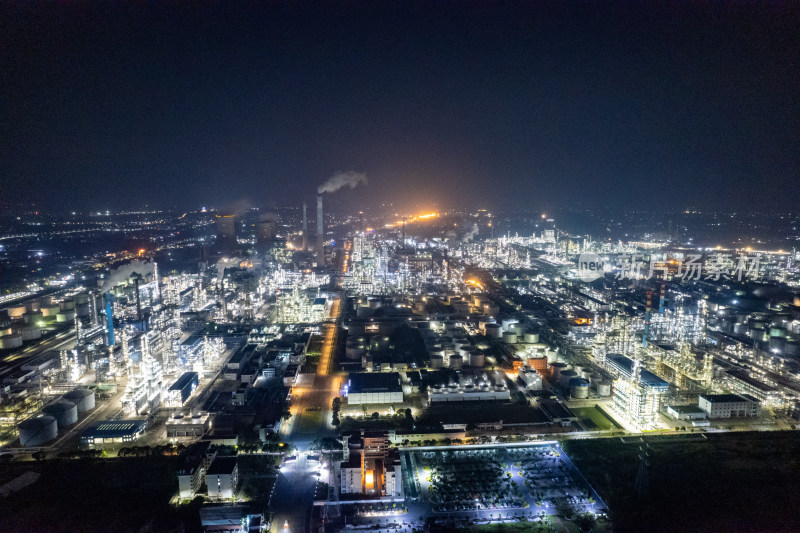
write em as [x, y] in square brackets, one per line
[369, 388]
[113, 432]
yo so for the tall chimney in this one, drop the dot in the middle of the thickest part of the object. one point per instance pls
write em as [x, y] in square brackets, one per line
[305, 227]
[320, 232]
[138, 302]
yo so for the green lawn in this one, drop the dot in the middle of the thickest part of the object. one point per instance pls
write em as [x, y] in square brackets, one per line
[595, 415]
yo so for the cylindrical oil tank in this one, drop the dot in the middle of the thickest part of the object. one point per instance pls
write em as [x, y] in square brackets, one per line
[517, 328]
[356, 347]
[509, 337]
[604, 388]
[437, 361]
[483, 322]
[578, 370]
[17, 312]
[10, 341]
[65, 412]
[364, 312]
[30, 332]
[379, 343]
[792, 348]
[477, 358]
[740, 328]
[594, 379]
[82, 310]
[67, 305]
[37, 431]
[456, 362]
[556, 369]
[82, 398]
[65, 316]
[373, 303]
[493, 331]
[551, 355]
[507, 323]
[34, 317]
[777, 332]
[565, 376]
[777, 344]
[82, 298]
[356, 329]
[367, 363]
[33, 306]
[531, 337]
[578, 388]
[50, 310]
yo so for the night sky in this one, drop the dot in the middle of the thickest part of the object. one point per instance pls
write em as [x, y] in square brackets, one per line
[584, 104]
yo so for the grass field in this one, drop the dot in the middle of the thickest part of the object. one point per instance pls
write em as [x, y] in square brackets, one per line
[725, 482]
[600, 420]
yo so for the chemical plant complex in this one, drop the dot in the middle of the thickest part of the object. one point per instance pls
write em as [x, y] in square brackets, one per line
[367, 359]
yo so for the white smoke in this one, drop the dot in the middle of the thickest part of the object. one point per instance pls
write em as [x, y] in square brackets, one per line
[471, 233]
[342, 179]
[227, 262]
[121, 274]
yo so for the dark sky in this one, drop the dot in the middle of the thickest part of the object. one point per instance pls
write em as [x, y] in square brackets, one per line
[485, 104]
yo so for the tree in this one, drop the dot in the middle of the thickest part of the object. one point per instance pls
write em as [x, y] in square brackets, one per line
[584, 521]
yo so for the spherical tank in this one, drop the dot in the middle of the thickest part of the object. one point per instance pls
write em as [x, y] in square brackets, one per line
[37, 431]
[65, 412]
[82, 398]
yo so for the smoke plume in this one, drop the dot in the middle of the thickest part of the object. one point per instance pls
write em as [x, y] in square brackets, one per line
[120, 275]
[342, 179]
[227, 262]
[468, 236]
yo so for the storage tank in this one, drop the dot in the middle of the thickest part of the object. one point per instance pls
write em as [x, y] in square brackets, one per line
[356, 347]
[83, 310]
[367, 363]
[477, 358]
[437, 360]
[578, 370]
[493, 331]
[68, 305]
[8, 342]
[17, 311]
[37, 431]
[604, 388]
[578, 388]
[517, 328]
[777, 344]
[34, 317]
[556, 369]
[82, 298]
[456, 362]
[34, 306]
[65, 316]
[65, 412]
[30, 332]
[565, 376]
[379, 343]
[356, 329]
[82, 398]
[364, 312]
[531, 337]
[740, 328]
[507, 322]
[50, 310]
[509, 337]
[792, 348]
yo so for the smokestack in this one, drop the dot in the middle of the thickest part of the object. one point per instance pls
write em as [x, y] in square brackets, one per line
[320, 232]
[305, 227]
[93, 302]
[647, 308]
[109, 319]
[222, 299]
[138, 302]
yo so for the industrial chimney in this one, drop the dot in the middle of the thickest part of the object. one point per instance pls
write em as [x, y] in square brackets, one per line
[305, 228]
[320, 232]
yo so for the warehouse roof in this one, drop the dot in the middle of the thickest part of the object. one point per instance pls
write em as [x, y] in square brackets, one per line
[374, 382]
[115, 429]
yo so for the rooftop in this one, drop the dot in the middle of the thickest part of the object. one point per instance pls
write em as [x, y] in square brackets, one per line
[222, 465]
[374, 382]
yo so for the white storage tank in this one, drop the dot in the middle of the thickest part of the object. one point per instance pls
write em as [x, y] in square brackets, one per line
[509, 337]
[37, 431]
[67, 305]
[65, 316]
[437, 361]
[493, 331]
[82, 298]
[565, 377]
[507, 322]
[604, 388]
[8, 342]
[34, 306]
[531, 337]
[456, 362]
[556, 369]
[82, 398]
[34, 317]
[65, 412]
[17, 312]
[578, 388]
[477, 358]
[30, 332]
[50, 310]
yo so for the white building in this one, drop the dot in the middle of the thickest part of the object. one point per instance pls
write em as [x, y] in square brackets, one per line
[222, 477]
[730, 405]
[378, 388]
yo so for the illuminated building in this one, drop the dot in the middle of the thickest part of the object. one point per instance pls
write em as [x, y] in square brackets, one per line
[374, 469]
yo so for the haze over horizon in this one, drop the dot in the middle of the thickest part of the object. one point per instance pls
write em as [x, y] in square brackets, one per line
[554, 104]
